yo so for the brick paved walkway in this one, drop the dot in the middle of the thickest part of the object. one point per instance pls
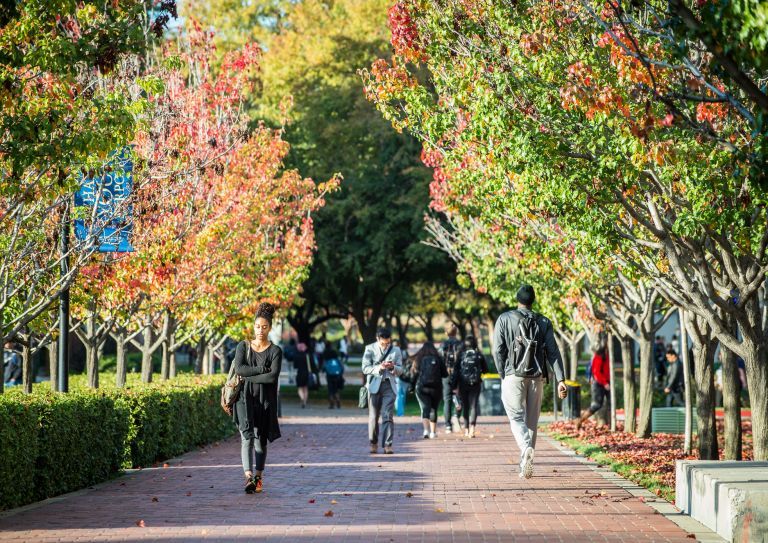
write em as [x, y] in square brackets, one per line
[449, 489]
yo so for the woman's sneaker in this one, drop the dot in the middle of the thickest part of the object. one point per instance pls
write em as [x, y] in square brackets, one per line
[426, 434]
[250, 485]
[432, 435]
[259, 485]
[526, 463]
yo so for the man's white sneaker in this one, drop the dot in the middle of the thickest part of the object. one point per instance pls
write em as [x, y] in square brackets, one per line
[432, 435]
[527, 463]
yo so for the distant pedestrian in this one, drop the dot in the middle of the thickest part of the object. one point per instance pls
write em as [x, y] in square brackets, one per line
[600, 384]
[466, 381]
[258, 362]
[334, 374]
[306, 370]
[449, 350]
[403, 384]
[12, 369]
[427, 376]
[675, 383]
[344, 350]
[524, 345]
[659, 356]
[382, 365]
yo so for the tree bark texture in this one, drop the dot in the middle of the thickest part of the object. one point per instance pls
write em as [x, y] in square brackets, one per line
[704, 376]
[630, 387]
[646, 386]
[731, 404]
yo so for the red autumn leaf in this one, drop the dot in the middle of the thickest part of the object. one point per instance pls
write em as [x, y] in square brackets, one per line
[312, 501]
[329, 513]
[140, 524]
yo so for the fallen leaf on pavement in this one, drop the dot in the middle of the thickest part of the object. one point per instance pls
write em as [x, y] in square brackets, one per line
[154, 499]
[334, 502]
[439, 510]
[329, 513]
[312, 501]
[409, 494]
[140, 524]
[166, 465]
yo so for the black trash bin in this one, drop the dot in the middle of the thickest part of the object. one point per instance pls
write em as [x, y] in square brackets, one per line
[572, 402]
[490, 395]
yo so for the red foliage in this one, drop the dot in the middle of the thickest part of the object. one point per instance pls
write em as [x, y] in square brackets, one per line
[405, 35]
[655, 455]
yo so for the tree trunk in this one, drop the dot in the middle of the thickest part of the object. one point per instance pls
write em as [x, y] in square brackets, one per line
[756, 363]
[120, 367]
[612, 374]
[731, 404]
[687, 384]
[148, 337]
[92, 364]
[172, 364]
[704, 376]
[646, 386]
[630, 404]
[53, 364]
[164, 364]
[202, 347]
[573, 348]
[26, 366]
[402, 331]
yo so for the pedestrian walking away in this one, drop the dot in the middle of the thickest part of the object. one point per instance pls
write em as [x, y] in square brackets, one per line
[382, 365]
[524, 347]
[466, 382]
[12, 369]
[675, 383]
[427, 374]
[600, 383]
[258, 362]
[334, 375]
[306, 371]
[449, 350]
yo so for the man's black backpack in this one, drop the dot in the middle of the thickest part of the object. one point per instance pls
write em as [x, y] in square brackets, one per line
[430, 374]
[529, 352]
[470, 367]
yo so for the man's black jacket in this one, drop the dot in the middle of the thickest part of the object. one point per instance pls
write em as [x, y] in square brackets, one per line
[504, 338]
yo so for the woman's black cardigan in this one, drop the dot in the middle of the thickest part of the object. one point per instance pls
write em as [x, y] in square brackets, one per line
[256, 407]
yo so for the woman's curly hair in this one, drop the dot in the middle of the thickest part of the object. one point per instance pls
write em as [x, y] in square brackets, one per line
[265, 311]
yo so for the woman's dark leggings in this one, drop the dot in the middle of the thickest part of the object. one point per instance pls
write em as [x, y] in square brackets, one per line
[247, 445]
[470, 397]
[429, 399]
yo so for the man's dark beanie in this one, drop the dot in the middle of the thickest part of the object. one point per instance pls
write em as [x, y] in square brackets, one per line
[526, 295]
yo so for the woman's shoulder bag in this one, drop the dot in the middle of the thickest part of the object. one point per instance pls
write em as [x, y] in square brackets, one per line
[231, 389]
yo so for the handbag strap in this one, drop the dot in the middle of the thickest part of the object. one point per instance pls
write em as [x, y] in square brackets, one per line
[247, 347]
[309, 365]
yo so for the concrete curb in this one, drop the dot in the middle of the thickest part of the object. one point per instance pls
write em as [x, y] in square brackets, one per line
[701, 532]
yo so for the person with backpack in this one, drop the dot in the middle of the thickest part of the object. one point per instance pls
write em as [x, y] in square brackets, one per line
[334, 375]
[449, 351]
[466, 382]
[599, 375]
[524, 346]
[382, 365]
[427, 374]
[258, 362]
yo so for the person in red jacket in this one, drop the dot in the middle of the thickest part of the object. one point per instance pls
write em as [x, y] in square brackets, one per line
[600, 384]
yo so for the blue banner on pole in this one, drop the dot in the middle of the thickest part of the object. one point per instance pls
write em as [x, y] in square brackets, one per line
[108, 192]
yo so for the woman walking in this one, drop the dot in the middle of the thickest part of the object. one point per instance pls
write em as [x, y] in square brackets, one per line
[306, 369]
[428, 371]
[466, 382]
[258, 362]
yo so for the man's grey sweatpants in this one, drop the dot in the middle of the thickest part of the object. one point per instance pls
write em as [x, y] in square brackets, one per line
[382, 404]
[521, 397]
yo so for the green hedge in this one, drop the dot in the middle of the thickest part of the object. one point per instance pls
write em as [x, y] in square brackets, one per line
[55, 443]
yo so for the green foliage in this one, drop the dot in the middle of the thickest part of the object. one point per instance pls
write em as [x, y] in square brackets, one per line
[56, 443]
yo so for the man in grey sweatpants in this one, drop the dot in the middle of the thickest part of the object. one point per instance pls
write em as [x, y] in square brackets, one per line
[522, 387]
[382, 365]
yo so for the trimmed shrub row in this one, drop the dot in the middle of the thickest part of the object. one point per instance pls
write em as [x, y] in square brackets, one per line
[56, 443]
